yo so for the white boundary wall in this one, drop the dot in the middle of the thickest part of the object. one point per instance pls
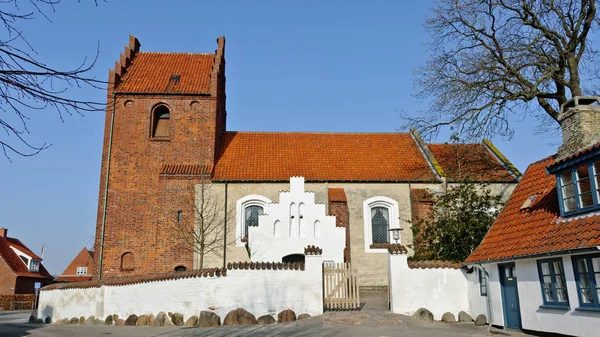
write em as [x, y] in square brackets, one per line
[258, 291]
[438, 290]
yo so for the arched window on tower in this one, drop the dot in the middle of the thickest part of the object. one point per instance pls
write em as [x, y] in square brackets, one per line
[161, 117]
[127, 262]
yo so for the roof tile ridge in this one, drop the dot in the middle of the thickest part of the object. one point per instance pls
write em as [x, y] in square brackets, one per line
[175, 53]
[320, 132]
[435, 166]
[500, 157]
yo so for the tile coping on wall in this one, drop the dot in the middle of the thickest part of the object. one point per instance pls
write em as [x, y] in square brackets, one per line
[206, 272]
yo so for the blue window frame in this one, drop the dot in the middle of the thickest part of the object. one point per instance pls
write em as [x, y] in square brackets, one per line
[587, 277]
[553, 282]
[482, 283]
[579, 188]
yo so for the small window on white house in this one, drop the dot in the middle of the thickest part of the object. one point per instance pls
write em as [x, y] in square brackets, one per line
[249, 209]
[380, 215]
[81, 270]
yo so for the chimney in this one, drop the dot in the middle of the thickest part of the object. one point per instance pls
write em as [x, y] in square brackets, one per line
[3, 232]
[579, 121]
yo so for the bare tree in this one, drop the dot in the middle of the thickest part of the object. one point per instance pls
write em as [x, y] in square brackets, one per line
[28, 85]
[494, 61]
[209, 235]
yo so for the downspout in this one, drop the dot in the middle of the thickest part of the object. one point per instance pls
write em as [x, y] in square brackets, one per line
[112, 122]
[225, 229]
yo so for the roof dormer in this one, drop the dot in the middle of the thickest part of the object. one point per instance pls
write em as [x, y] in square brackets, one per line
[577, 166]
[33, 264]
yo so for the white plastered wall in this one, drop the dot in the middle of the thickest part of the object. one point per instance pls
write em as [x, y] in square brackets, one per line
[439, 290]
[258, 291]
[294, 223]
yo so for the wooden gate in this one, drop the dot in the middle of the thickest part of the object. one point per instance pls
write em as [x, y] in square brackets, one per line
[340, 287]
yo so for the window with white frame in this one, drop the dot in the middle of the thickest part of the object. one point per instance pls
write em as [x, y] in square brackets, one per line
[380, 215]
[32, 264]
[81, 270]
[248, 210]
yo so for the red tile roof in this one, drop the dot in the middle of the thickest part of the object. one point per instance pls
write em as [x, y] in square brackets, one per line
[337, 195]
[574, 155]
[538, 229]
[472, 161]
[152, 73]
[84, 258]
[277, 156]
[14, 261]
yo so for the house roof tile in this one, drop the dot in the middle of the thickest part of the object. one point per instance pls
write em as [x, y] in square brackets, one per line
[277, 156]
[157, 73]
[537, 229]
[83, 259]
[469, 161]
[14, 261]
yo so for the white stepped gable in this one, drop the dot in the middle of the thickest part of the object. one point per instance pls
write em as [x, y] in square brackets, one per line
[294, 223]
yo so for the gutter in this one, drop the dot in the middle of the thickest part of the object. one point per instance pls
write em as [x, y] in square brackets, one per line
[112, 124]
[532, 256]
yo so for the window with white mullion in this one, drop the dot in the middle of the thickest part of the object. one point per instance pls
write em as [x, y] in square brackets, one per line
[568, 191]
[596, 173]
[584, 188]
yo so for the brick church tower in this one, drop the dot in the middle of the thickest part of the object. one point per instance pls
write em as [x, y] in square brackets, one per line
[165, 113]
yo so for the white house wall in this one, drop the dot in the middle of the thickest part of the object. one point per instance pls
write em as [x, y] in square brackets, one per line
[569, 322]
[289, 226]
[440, 290]
[258, 291]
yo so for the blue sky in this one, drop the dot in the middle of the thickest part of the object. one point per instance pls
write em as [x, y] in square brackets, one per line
[291, 66]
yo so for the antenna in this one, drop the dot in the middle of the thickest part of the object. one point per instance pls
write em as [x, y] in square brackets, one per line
[43, 251]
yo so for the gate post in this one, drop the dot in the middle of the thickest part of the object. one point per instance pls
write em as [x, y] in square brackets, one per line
[314, 265]
[398, 265]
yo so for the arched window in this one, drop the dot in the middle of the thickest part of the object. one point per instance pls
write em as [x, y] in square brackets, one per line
[161, 117]
[180, 268]
[380, 215]
[380, 224]
[127, 261]
[251, 214]
[248, 210]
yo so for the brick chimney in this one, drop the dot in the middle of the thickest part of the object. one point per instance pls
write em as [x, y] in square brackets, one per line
[3, 232]
[579, 121]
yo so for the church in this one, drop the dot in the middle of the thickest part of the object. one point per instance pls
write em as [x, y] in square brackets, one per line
[166, 143]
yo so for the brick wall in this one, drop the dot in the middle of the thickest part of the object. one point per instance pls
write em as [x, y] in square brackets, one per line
[580, 128]
[140, 205]
[340, 211]
[7, 279]
[16, 302]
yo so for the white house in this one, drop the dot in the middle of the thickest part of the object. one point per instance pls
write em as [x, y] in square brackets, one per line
[539, 265]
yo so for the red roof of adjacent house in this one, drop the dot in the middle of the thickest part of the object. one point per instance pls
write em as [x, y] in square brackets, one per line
[537, 229]
[156, 73]
[337, 195]
[14, 261]
[84, 258]
[255, 156]
[469, 161]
